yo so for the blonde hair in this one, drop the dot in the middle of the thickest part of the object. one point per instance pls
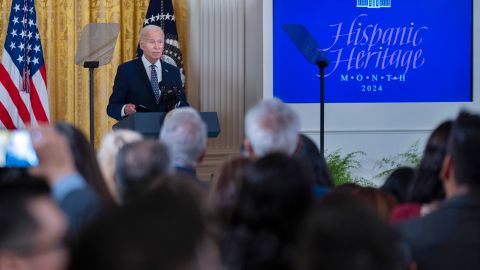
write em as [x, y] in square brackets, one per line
[107, 153]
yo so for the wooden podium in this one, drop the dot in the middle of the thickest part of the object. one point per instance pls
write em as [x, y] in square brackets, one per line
[149, 123]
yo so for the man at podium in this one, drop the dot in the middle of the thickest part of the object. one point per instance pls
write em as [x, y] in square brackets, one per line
[147, 83]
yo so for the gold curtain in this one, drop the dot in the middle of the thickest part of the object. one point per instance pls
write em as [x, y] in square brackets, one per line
[60, 23]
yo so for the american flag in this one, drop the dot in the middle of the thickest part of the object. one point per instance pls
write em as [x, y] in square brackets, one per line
[23, 79]
[160, 13]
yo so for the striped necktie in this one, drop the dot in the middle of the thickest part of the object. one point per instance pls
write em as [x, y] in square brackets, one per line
[154, 83]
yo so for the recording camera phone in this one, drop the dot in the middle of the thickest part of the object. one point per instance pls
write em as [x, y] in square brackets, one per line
[16, 149]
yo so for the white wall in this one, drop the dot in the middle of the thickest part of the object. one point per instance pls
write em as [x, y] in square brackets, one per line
[380, 130]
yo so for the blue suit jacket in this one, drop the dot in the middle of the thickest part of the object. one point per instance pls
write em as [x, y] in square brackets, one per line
[133, 86]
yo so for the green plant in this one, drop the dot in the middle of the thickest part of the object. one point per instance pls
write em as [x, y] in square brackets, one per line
[341, 167]
[387, 165]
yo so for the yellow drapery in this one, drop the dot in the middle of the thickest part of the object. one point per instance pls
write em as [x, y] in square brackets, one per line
[60, 23]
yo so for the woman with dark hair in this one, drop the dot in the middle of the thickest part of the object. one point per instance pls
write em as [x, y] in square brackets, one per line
[86, 161]
[398, 183]
[275, 195]
[426, 191]
[310, 152]
[223, 193]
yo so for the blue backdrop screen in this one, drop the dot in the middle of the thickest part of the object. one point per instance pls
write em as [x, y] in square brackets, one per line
[379, 50]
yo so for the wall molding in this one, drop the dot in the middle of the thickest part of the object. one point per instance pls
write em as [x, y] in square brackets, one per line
[367, 131]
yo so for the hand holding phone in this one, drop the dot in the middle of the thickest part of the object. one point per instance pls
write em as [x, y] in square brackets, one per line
[54, 154]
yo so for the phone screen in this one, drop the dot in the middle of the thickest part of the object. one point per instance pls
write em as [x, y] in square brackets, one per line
[16, 149]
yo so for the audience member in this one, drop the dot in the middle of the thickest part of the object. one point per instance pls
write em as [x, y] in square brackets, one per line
[310, 152]
[427, 186]
[69, 189]
[185, 133]
[32, 227]
[398, 182]
[224, 190]
[426, 192]
[449, 238]
[137, 166]
[107, 153]
[271, 126]
[163, 230]
[86, 161]
[379, 201]
[344, 235]
[276, 194]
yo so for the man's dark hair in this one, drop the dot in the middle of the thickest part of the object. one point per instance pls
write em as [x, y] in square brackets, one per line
[17, 225]
[343, 234]
[161, 230]
[137, 166]
[465, 149]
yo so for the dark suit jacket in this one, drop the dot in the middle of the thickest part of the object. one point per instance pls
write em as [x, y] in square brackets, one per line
[133, 86]
[77, 200]
[448, 238]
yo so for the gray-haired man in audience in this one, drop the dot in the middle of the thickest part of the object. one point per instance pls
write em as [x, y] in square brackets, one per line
[185, 133]
[271, 126]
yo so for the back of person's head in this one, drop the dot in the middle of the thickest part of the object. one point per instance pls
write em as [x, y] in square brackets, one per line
[162, 230]
[185, 133]
[276, 192]
[272, 126]
[426, 185]
[275, 195]
[16, 222]
[344, 235]
[312, 155]
[86, 160]
[137, 166]
[464, 148]
[223, 193]
[377, 200]
[32, 228]
[398, 183]
[380, 201]
[107, 153]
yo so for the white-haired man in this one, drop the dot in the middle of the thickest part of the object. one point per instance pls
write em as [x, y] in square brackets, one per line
[145, 83]
[271, 126]
[185, 133]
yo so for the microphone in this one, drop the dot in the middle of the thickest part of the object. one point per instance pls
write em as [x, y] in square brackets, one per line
[168, 97]
[178, 98]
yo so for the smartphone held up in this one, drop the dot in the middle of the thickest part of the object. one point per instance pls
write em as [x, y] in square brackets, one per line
[16, 149]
